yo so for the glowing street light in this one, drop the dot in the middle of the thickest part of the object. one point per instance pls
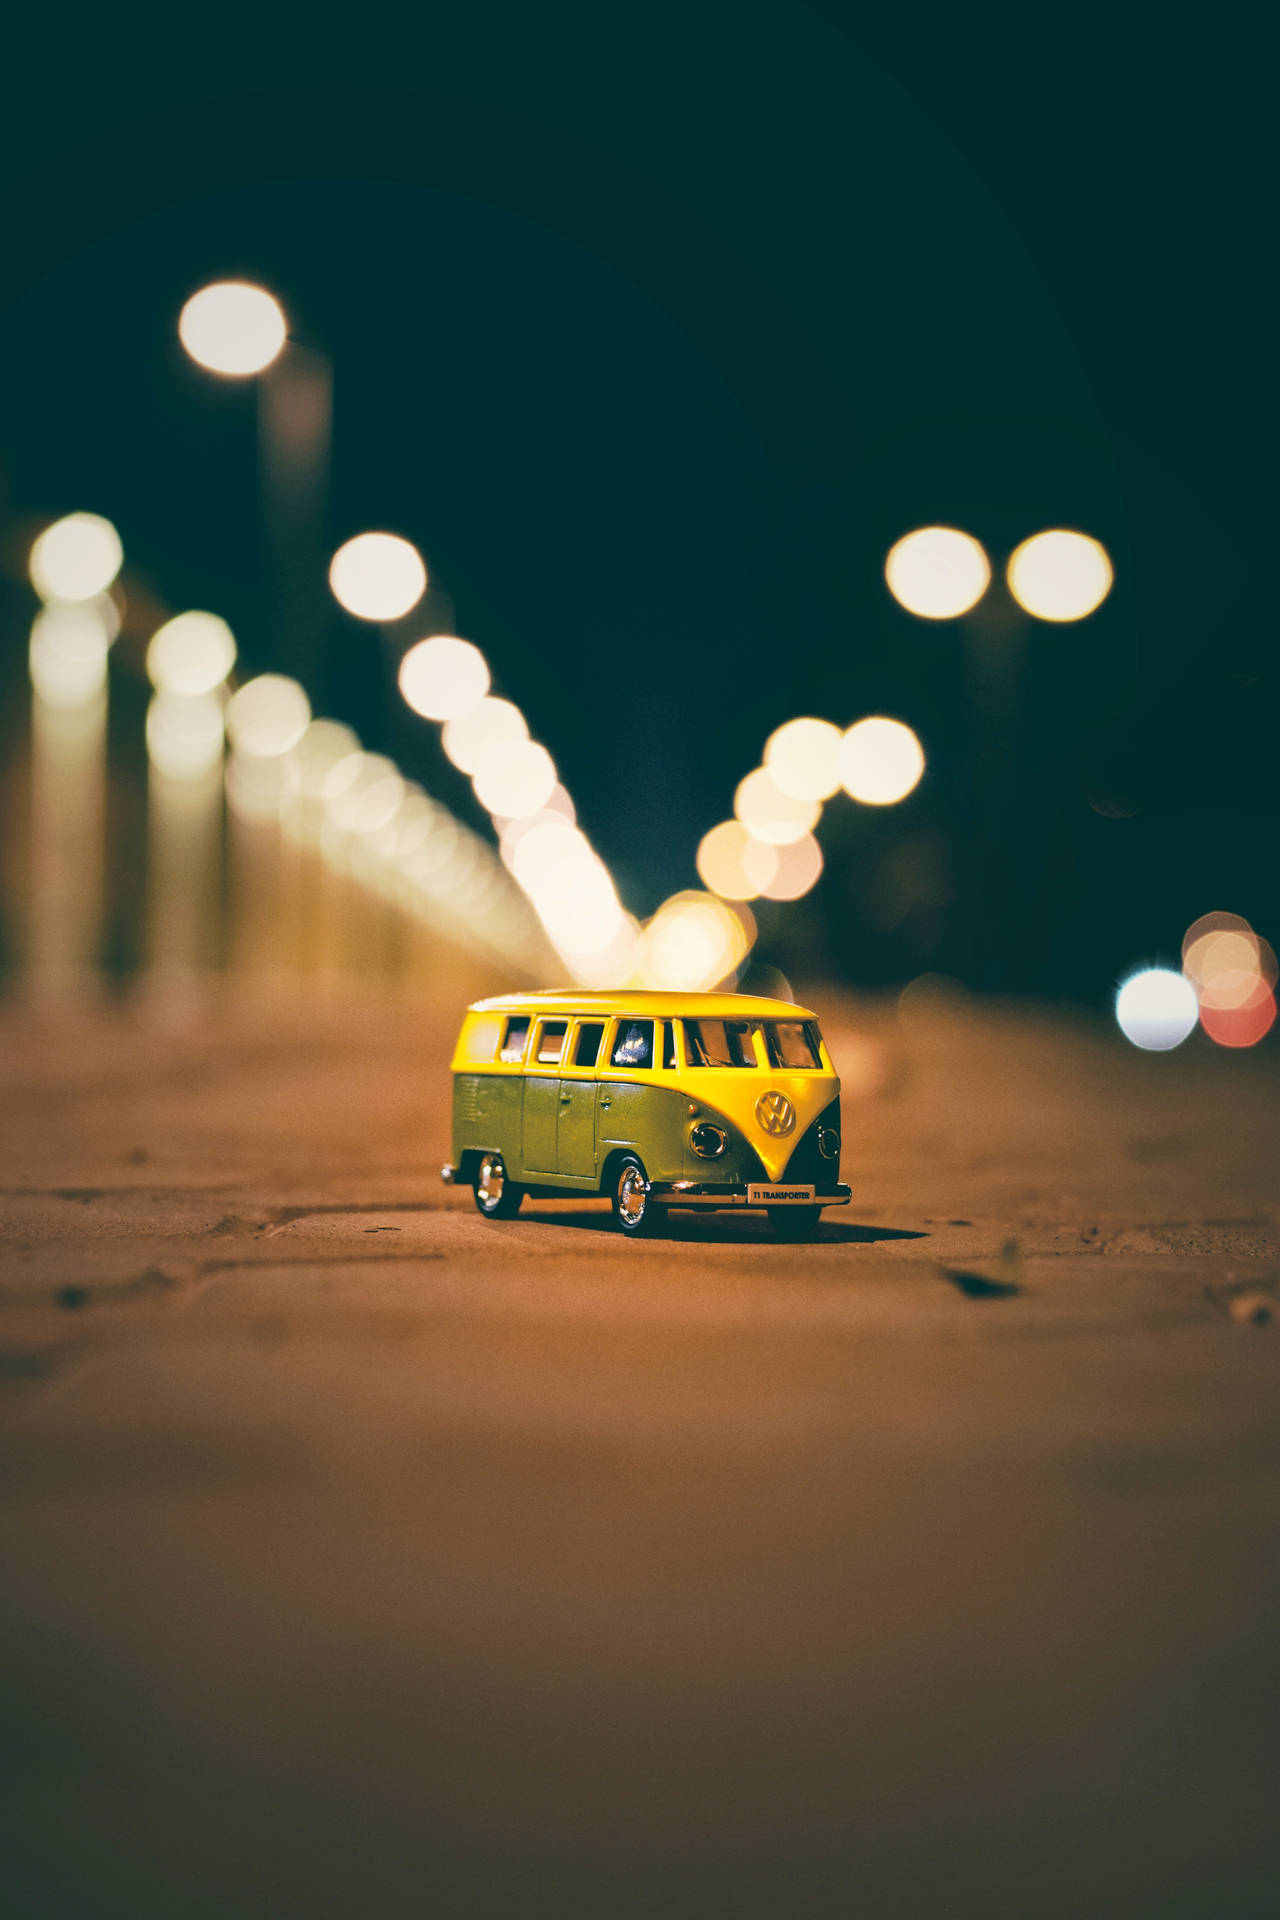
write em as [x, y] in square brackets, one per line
[378, 576]
[1156, 1009]
[803, 759]
[770, 814]
[191, 654]
[1060, 575]
[232, 328]
[443, 678]
[268, 715]
[881, 761]
[937, 573]
[76, 558]
[731, 862]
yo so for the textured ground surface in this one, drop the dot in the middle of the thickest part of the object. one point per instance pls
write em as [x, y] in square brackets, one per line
[361, 1556]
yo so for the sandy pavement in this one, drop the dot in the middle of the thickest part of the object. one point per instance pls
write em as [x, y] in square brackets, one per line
[362, 1556]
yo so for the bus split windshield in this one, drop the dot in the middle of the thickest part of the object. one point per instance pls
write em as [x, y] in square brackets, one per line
[791, 1044]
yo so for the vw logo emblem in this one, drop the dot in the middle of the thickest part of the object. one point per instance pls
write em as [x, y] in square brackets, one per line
[775, 1113]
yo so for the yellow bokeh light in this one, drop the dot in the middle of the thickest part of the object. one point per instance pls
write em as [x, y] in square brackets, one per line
[184, 734]
[693, 942]
[1060, 575]
[378, 576]
[518, 780]
[937, 573]
[799, 869]
[732, 863]
[76, 558]
[232, 328]
[268, 715]
[803, 759]
[191, 654]
[68, 656]
[771, 815]
[491, 726]
[881, 761]
[443, 678]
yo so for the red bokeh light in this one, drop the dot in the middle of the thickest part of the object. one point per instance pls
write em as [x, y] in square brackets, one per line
[1240, 1026]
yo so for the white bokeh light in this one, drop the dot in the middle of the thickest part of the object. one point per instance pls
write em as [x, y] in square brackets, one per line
[232, 328]
[490, 727]
[191, 654]
[1156, 1009]
[881, 761]
[378, 576]
[443, 678]
[771, 815]
[937, 573]
[803, 759]
[76, 558]
[516, 781]
[68, 657]
[268, 715]
[184, 734]
[1060, 575]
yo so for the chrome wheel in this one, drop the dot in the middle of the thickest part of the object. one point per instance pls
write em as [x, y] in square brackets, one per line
[631, 1206]
[496, 1196]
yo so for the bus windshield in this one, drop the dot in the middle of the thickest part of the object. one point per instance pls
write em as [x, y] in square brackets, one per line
[732, 1043]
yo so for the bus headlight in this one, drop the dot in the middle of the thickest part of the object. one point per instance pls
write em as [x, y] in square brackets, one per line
[828, 1143]
[708, 1142]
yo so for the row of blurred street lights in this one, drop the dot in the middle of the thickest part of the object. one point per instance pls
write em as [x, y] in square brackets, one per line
[312, 778]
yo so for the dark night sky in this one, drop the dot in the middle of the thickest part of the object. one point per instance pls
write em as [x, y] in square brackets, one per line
[654, 336]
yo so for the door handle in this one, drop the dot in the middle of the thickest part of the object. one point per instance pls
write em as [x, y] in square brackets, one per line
[565, 1098]
[606, 1103]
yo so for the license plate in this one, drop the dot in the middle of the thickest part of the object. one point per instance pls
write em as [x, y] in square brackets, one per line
[762, 1196]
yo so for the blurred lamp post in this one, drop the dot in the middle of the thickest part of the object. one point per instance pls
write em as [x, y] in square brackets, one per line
[188, 661]
[71, 566]
[238, 331]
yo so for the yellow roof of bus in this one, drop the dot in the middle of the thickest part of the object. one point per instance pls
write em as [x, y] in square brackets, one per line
[663, 1005]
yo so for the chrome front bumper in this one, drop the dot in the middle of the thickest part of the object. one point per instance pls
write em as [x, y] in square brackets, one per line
[701, 1193]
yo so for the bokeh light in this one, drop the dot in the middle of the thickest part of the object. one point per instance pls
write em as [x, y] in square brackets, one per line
[232, 328]
[734, 864]
[76, 558]
[517, 781]
[363, 793]
[68, 654]
[771, 815]
[191, 654]
[881, 761]
[1060, 575]
[268, 715]
[378, 576]
[799, 869]
[937, 573]
[1244, 1025]
[443, 678]
[489, 727]
[1156, 1009]
[693, 942]
[184, 734]
[803, 759]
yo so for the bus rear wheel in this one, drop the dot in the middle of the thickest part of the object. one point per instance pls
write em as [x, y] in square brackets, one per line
[497, 1197]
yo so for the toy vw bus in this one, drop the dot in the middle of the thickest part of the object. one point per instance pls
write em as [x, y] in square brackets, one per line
[658, 1100]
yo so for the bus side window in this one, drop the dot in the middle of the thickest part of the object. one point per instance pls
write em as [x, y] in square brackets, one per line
[669, 1046]
[633, 1046]
[513, 1045]
[587, 1050]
